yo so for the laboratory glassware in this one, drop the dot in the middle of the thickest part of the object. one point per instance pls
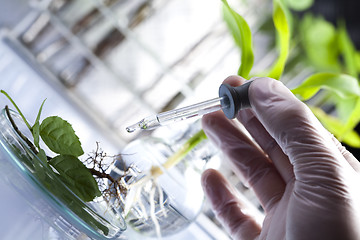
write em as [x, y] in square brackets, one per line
[230, 101]
[171, 201]
[47, 195]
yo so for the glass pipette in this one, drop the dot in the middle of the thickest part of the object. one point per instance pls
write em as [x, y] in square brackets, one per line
[175, 115]
[230, 101]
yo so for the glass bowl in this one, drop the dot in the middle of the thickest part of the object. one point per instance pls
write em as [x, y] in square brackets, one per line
[47, 195]
[170, 202]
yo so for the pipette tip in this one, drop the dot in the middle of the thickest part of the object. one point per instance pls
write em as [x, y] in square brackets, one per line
[133, 128]
[148, 123]
[142, 125]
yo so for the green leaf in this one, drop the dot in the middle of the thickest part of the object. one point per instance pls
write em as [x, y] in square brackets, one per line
[39, 169]
[336, 127]
[319, 40]
[60, 137]
[344, 107]
[344, 86]
[76, 176]
[348, 51]
[17, 108]
[352, 139]
[35, 129]
[299, 5]
[281, 23]
[357, 61]
[353, 119]
[42, 156]
[241, 33]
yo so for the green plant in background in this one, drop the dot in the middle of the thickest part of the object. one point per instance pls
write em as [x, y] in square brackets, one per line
[323, 45]
[242, 36]
[280, 18]
[299, 5]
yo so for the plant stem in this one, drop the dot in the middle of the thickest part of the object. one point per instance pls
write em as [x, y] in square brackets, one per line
[101, 174]
[28, 142]
[180, 154]
[17, 108]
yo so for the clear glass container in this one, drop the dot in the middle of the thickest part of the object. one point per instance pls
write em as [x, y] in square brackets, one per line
[169, 203]
[47, 195]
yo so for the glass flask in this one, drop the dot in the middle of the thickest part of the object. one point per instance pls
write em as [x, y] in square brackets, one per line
[56, 204]
[166, 204]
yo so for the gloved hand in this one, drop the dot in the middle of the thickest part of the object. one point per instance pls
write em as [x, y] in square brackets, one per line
[306, 181]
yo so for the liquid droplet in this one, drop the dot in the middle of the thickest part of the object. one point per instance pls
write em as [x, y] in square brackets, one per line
[132, 128]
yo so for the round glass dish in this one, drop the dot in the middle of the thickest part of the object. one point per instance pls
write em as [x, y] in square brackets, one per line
[47, 195]
[167, 203]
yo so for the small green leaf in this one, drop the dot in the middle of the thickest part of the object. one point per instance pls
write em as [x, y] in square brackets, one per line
[60, 137]
[35, 129]
[344, 107]
[76, 176]
[348, 51]
[241, 33]
[39, 169]
[352, 139]
[42, 156]
[357, 61]
[281, 23]
[17, 108]
[344, 86]
[353, 119]
[336, 127]
[299, 5]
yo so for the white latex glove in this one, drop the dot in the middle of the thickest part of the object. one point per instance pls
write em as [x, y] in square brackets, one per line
[306, 181]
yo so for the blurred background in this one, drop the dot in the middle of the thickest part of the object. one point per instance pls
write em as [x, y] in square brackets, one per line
[105, 64]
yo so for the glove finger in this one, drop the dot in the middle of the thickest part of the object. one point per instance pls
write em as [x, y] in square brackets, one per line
[347, 155]
[248, 161]
[267, 143]
[227, 207]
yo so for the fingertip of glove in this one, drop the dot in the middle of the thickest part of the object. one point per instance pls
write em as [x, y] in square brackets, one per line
[234, 80]
[212, 182]
[207, 174]
[264, 89]
[212, 119]
[211, 177]
[205, 179]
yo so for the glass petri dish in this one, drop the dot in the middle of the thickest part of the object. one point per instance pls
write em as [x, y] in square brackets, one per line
[47, 195]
